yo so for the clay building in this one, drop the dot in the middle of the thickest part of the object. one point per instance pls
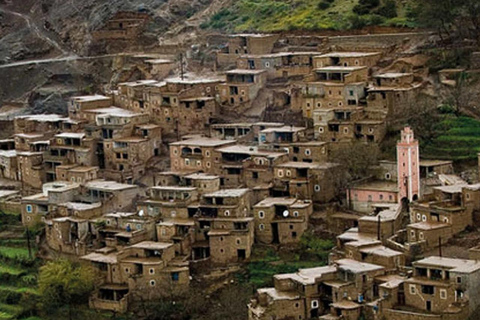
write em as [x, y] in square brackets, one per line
[8, 165]
[124, 25]
[238, 165]
[147, 268]
[196, 154]
[439, 217]
[443, 285]
[160, 68]
[308, 151]
[336, 291]
[241, 44]
[346, 59]
[202, 181]
[303, 180]
[283, 65]
[281, 220]
[178, 104]
[80, 104]
[225, 228]
[114, 196]
[30, 169]
[77, 173]
[282, 135]
[242, 86]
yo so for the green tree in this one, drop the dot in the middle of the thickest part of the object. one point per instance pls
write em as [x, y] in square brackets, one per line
[64, 285]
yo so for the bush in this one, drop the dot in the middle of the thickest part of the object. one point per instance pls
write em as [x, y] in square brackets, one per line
[323, 5]
[388, 9]
[365, 6]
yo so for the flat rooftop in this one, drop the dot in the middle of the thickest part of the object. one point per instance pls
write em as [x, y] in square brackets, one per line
[89, 98]
[151, 245]
[173, 188]
[283, 129]
[71, 135]
[227, 193]
[455, 265]
[425, 225]
[245, 71]
[113, 111]
[392, 75]
[307, 276]
[250, 150]
[202, 142]
[357, 267]
[307, 165]
[338, 69]
[43, 117]
[348, 54]
[107, 185]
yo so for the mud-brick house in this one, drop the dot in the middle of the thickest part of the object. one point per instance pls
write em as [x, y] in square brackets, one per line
[196, 154]
[281, 220]
[80, 104]
[144, 271]
[310, 181]
[242, 86]
[225, 227]
[444, 286]
[245, 44]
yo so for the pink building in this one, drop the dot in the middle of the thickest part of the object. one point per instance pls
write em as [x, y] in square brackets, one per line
[368, 194]
[408, 164]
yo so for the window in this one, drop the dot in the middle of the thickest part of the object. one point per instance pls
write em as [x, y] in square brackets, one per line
[29, 208]
[468, 196]
[207, 153]
[187, 162]
[227, 213]
[288, 173]
[297, 305]
[317, 188]
[261, 214]
[424, 218]
[412, 234]
[412, 289]
[419, 216]
[420, 235]
[308, 152]
[261, 227]
[280, 173]
[151, 271]
[428, 289]
[443, 294]
[345, 130]
[221, 239]
[320, 129]
[381, 197]
[152, 283]
[295, 214]
[239, 241]
[175, 276]
[127, 270]
[314, 304]
[369, 197]
[388, 176]
[267, 64]
[459, 279]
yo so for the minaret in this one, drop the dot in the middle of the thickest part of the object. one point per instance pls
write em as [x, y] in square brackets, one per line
[408, 166]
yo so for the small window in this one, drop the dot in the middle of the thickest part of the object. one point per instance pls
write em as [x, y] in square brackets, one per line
[443, 294]
[288, 173]
[175, 276]
[29, 208]
[152, 283]
[267, 64]
[388, 176]
[419, 216]
[295, 214]
[280, 173]
[424, 218]
[314, 304]
[261, 214]
[412, 234]
[239, 241]
[127, 270]
[321, 130]
[151, 271]
[221, 239]
[317, 188]
[459, 279]
[207, 153]
[227, 213]
[261, 227]
[420, 236]
[412, 289]
[345, 130]
[308, 152]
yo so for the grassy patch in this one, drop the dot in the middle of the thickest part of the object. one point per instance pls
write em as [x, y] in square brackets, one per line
[275, 15]
[459, 141]
[15, 252]
[11, 270]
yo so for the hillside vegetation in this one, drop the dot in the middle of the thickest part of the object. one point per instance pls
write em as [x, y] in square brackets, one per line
[273, 15]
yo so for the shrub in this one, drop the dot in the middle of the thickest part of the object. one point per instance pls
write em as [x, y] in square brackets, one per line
[323, 5]
[388, 9]
[365, 6]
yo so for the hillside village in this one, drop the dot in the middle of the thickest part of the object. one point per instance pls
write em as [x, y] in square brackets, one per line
[188, 166]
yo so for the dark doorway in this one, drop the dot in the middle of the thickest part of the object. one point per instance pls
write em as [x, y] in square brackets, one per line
[429, 305]
[313, 313]
[241, 254]
[276, 238]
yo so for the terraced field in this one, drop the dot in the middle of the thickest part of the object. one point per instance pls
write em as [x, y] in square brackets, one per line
[18, 271]
[459, 140]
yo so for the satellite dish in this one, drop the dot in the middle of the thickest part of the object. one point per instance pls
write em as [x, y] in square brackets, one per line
[285, 213]
[141, 213]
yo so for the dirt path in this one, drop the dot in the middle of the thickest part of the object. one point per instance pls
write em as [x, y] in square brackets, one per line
[37, 31]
